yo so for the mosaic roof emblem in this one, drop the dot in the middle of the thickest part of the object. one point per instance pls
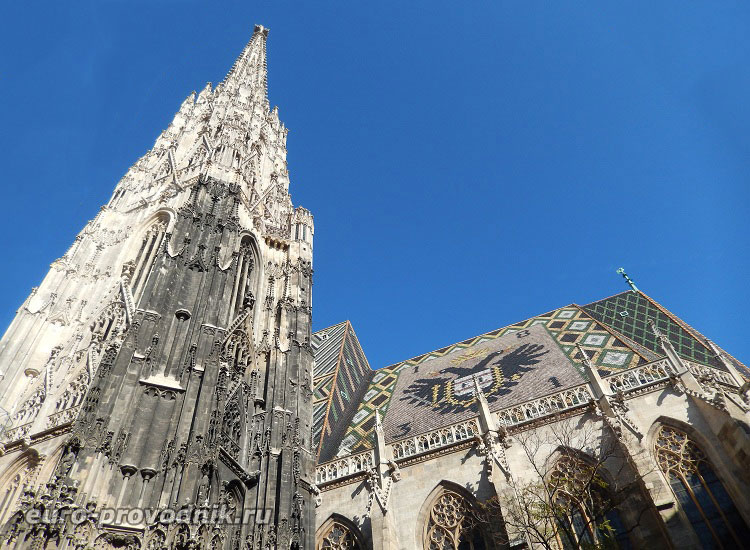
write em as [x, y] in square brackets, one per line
[517, 366]
[451, 389]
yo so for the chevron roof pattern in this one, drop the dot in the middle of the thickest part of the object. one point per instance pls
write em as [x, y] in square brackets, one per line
[340, 378]
[613, 332]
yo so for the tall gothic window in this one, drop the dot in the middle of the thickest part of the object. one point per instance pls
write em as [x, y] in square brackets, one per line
[109, 323]
[242, 294]
[699, 491]
[454, 524]
[337, 536]
[584, 512]
[144, 260]
[12, 485]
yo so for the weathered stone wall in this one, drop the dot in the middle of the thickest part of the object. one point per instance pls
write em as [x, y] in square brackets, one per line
[715, 416]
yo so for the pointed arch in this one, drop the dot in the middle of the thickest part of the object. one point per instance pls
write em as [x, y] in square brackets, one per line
[142, 259]
[155, 538]
[245, 287]
[582, 503]
[339, 533]
[181, 536]
[702, 496]
[20, 473]
[452, 518]
[235, 498]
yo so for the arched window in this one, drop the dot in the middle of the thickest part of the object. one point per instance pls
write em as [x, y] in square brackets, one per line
[144, 260]
[242, 292]
[233, 424]
[109, 323]
[338, 536]
[455, 524]
[12, 484]
[699, 491]
[582, 508]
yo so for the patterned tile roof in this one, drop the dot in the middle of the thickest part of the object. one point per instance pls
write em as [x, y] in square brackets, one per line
[340, 378]
[628, 314]
[568, 326]
[614, 341]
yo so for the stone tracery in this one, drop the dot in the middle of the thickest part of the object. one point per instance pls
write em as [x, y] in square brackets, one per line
[338, 536]
[710, 509]
[454, 523]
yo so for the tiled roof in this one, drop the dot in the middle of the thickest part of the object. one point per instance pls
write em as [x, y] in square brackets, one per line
[628, 313]
[612, 340]
[341, 377]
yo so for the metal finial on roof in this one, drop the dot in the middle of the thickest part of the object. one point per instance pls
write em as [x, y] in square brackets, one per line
[628, 280]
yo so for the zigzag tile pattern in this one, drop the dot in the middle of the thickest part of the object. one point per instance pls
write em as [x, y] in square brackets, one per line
[342, 375]
[569, 325]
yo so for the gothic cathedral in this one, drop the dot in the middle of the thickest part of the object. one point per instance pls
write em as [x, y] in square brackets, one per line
[162, 388]
[165, 360]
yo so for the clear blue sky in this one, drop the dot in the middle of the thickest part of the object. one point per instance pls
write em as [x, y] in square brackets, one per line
[469, 165]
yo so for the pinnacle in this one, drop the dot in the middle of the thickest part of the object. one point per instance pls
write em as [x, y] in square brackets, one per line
[248, 75]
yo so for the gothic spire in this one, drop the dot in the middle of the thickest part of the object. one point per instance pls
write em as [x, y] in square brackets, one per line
[248, 74]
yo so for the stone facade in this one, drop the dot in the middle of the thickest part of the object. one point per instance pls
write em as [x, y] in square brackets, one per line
[453, 466]
[165, 361]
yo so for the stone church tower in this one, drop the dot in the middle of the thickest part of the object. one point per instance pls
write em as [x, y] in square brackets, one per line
[164, 362]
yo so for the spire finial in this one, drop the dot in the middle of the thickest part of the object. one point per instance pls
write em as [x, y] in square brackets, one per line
[628, 280]
[477, 388]
[249, 71]
[584, 356]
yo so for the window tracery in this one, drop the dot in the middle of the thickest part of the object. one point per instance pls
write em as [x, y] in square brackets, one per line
[585, 515]
[144, 260]
[109, 323]
[242, 295]
[238, 351]
[232, 425]
[74, 393]
[701, 494]
[454, 524]
[30, 408]
[13, 484]
[338, 537]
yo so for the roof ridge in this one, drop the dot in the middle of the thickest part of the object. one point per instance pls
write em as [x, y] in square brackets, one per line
[330, 327]
[699, 337]
[421, 355]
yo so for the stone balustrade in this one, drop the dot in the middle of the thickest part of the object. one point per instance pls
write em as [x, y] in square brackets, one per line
[435, 439]
[544, 406]
[343, 467]
[639, 377]
[571, 398]
[720, 376]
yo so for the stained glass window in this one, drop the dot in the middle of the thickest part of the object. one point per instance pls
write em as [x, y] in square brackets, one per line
[700, 493]
[454, 525]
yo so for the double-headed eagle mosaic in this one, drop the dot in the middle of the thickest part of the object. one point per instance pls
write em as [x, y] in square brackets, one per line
[451, 389]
